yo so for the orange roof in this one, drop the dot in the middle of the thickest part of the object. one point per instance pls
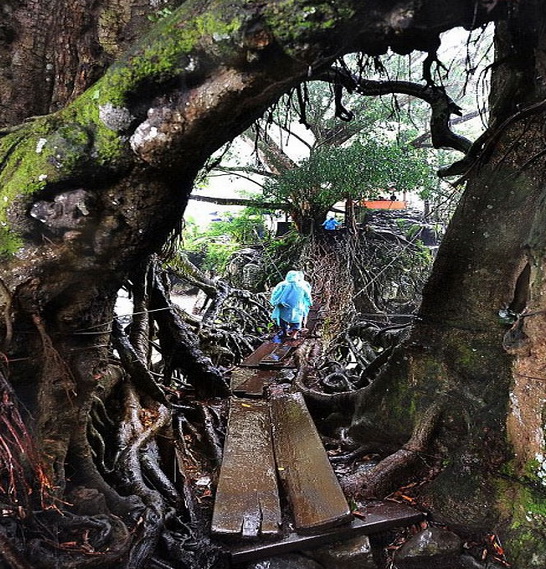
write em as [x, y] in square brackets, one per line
[383, 204]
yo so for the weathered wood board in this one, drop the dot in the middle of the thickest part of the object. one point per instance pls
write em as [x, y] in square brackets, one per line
[313, 490]
[272, 355]
[249, 382]
[374, 518]
[247, 497]
[278, 356]
[254, 359]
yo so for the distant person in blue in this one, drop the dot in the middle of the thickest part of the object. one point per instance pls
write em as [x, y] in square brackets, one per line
[331, 223]
[291, 300]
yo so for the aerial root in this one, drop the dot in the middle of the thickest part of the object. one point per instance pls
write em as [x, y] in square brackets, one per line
[77, 542]
[134, 365]
[354, 454]
[180, 348]
[196, 555]
[394, 470]
[307, 375]
[151, 467]
[138, 427]
[139, 335]
[19, 456]
[211, 433]
[345, 400]
[10, 555]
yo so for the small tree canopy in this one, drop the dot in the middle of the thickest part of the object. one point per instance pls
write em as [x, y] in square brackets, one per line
[363, 169]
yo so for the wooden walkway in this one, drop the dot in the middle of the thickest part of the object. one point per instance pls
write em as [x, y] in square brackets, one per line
[273, 454]
[376, 517]
[247, 497]
[303, 467]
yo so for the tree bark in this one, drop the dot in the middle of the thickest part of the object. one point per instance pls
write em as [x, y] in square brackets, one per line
[490, 437]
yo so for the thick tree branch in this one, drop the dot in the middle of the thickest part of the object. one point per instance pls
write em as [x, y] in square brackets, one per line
[229, 170]
[442, 106]
[245, 202]
[420, 141]
[271, 153]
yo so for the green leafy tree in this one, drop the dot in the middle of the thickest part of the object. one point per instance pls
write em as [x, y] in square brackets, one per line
[363, 169]
[341, 158]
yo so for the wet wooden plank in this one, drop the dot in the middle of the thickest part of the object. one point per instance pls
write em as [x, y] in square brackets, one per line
[283, 355]
[254, 359]
[302, 464]
[374, 518]
[278, 355]
[247, 497]
[249, 382]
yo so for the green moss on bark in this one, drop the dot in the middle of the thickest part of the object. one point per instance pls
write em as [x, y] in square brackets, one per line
[65, 146]
[525, 542]
[167, 52]
[292, 20]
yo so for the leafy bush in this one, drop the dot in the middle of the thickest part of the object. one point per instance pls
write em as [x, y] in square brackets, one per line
[217, 243]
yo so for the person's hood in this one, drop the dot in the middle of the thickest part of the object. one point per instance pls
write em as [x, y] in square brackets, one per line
[292, 276]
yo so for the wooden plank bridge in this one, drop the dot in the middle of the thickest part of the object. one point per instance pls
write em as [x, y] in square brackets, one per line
[273, 454]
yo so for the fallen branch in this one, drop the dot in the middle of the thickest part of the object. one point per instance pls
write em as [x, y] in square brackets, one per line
[180, 347]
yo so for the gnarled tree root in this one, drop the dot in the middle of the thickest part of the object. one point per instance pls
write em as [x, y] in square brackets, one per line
[77, 542]
[393, 471]
[136, 432]
[11, 555]
[180, 348]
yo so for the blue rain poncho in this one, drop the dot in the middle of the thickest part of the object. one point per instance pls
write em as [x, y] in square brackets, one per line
[291, 299]
[331, 224]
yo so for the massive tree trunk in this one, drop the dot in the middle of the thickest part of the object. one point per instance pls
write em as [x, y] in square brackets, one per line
[488, 377]
[52, 51]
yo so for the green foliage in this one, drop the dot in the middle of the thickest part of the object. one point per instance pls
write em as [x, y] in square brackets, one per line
[222, 238]
[217, 256]
[363, 169]
[281, 255]
[160, 14]
[246, 227]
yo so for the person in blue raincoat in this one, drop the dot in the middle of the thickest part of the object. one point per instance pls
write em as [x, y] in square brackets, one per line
[330, 223]
[291, 300]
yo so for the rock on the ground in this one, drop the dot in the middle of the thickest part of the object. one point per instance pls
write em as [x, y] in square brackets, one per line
[431, 547]
[353, 553]
[289, 561]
